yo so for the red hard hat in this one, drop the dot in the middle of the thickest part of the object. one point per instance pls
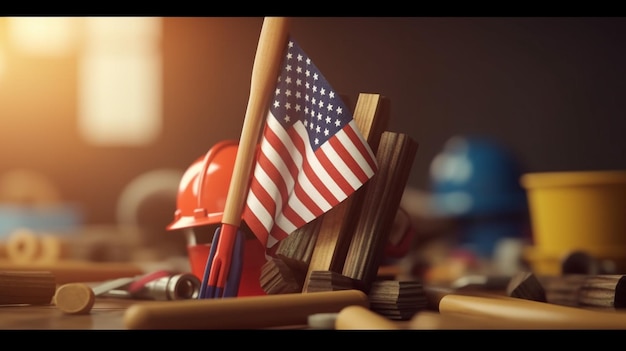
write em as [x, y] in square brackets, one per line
[204, 186]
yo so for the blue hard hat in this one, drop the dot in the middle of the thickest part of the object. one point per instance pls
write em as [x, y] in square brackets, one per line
[476, 176]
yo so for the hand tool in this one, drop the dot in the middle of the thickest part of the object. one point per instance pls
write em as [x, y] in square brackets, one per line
[159, 285]
[270, 48]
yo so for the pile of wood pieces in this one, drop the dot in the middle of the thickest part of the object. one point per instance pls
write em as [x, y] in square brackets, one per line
[344, 248]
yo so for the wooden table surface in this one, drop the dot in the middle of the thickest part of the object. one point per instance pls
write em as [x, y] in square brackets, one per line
[106, 314]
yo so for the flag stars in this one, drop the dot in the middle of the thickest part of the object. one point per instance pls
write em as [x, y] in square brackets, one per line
[302, 94]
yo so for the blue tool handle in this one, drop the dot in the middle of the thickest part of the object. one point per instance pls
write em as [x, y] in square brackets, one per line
[204, 288]
[234, 275]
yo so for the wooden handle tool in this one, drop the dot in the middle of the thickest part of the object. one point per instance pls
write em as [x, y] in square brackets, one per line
[245, 312]
[272, 43]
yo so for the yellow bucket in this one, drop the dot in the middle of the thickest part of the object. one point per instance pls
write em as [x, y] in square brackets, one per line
[576, 211]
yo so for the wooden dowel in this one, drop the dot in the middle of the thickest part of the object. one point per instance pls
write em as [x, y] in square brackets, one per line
[542, 315]
[361, 318]
[272, 43]
[246, 312]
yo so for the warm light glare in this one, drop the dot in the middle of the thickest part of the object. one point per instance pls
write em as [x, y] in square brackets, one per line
[107, 30]
[120, 99]
[120, 81]
[2, 63]
[51, 36]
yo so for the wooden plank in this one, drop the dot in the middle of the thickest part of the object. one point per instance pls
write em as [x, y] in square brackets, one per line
[372, 117]
[395, 158]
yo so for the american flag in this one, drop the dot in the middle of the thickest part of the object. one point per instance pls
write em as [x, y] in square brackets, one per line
[311, 157]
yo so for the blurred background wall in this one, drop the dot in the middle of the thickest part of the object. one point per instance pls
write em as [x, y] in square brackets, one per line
[554, 89]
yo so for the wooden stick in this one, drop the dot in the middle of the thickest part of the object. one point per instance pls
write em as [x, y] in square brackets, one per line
[541, 315]
[272, 43]
[245, 312]
[271, 47]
